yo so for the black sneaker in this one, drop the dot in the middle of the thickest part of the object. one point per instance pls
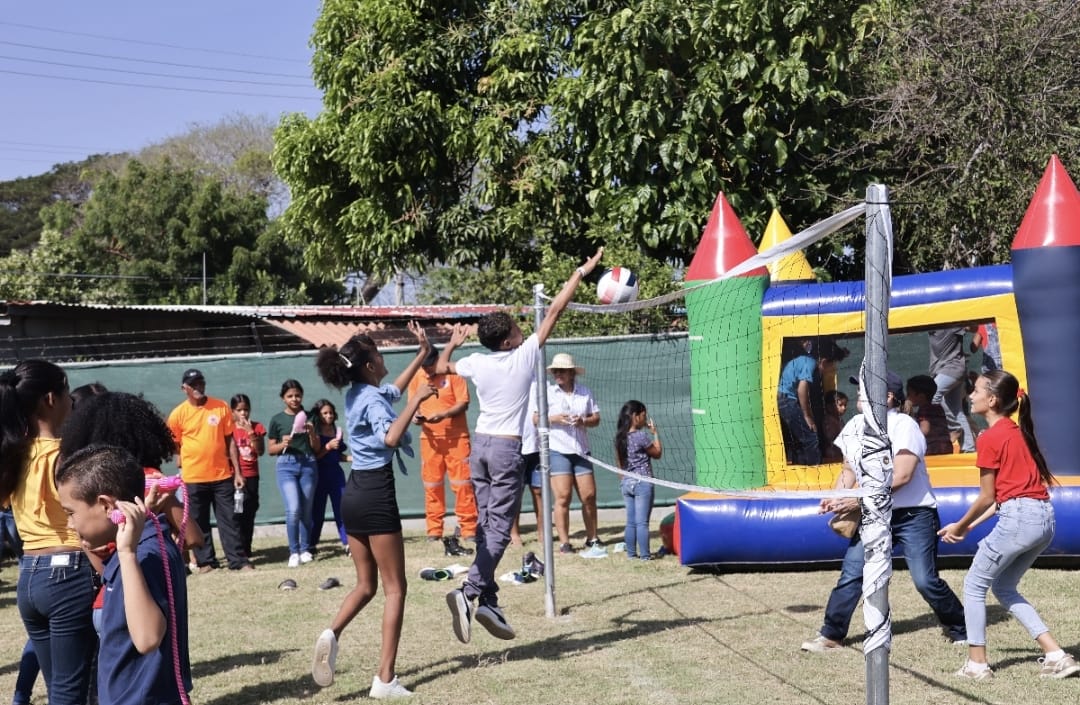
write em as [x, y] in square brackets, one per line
[494, 621]
[454, 548]
[461, 613]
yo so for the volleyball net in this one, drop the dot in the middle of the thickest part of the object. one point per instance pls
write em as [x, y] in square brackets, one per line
[716, 391]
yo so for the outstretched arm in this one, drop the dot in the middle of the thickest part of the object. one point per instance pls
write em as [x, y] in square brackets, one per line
[563, 298]
[457, 338]
[403, 379]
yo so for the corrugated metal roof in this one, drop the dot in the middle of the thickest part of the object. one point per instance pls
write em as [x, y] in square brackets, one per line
[353, 312]
[322, 333]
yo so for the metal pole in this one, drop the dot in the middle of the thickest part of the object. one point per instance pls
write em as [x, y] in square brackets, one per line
[204, 278]
[543, 431]
[875, 467]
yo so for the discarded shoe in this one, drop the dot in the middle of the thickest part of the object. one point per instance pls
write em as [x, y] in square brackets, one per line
[454, 548]
[330, 584]
[531, 565]
[435, 574]
[594, 551]
[287, 584]
[457, 569]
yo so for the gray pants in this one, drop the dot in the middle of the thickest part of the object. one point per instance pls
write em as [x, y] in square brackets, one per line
[496, 469]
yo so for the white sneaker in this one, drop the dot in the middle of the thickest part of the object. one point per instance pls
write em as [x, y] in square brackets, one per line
[294, 560]
[322, 666]
[306, 557]
[393, 689]
[821, 645]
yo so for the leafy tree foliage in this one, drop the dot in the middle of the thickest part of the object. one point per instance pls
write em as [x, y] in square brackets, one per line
[235, 150]
[21, 200]
[140, 239]
[966, 102]
[504, 284]
[475, 132]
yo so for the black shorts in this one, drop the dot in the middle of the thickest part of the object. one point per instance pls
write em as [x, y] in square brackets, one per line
[369, 503]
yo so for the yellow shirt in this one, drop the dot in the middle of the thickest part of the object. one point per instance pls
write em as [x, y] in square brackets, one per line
[200, 433]
[36, 503]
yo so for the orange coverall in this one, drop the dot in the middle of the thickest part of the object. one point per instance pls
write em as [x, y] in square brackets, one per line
[444, 450]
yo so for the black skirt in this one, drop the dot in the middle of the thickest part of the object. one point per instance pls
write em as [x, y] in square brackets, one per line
[369, 503]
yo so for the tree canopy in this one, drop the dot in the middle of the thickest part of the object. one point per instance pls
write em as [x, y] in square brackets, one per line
[482, 132]
[140, 239]
[476, 132]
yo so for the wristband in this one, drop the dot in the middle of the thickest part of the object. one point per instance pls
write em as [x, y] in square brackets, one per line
[581, 272]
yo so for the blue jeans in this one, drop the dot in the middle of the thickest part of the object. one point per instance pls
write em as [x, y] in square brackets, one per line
[28, 673]
[1024, 529]
[914, 529]
[330, 484]
[496, 468]
[55, 602]
[805, 449]
[950, 395]
[638, 496]
[296, 478]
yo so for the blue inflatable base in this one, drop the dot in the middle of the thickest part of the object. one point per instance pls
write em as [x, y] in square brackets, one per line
[746, 532]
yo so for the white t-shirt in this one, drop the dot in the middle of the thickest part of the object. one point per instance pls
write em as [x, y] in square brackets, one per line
[904, 434]
[570, 440]
[502, 382]
[530, 436]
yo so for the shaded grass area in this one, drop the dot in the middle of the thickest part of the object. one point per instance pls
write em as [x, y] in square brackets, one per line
[625, 632]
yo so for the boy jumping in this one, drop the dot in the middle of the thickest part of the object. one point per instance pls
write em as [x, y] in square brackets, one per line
[502, 378]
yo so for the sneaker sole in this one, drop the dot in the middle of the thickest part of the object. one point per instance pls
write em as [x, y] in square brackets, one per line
[321, 670]
[459, 609]
[497, 629]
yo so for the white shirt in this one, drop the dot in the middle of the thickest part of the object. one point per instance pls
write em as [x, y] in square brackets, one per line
[904, 434]
[530, 436]
[502, 382]
[570, 440]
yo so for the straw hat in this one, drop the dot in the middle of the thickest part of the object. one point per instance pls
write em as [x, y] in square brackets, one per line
[564, 361]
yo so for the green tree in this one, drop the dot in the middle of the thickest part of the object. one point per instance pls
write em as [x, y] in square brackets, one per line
[468, 133]
[965, 102]
[503, 283]
[21, 200]
[140, 239]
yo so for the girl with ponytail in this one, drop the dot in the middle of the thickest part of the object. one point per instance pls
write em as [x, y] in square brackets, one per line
[1013, 483]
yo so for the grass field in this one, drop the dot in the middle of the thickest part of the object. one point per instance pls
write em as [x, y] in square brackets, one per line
[627, 632]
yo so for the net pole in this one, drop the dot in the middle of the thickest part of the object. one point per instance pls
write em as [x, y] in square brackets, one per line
[543, 427]
[875, 468]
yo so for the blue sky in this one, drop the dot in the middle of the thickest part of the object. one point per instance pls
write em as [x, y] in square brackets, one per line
[48, 120]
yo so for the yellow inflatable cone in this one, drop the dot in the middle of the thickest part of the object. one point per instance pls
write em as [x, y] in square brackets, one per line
[790, 269]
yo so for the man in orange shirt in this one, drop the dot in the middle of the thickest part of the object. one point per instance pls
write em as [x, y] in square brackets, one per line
[210, 467]
[444, 450]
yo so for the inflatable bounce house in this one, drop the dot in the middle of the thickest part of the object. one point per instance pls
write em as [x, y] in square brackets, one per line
[1034, 303]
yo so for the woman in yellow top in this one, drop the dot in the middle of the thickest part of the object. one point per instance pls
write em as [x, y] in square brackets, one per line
[56, 589]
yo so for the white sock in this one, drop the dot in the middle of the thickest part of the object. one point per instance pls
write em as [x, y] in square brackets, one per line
[1052, 656]
[977, 667]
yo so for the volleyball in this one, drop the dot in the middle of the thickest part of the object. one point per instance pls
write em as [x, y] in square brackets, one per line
[618, 286]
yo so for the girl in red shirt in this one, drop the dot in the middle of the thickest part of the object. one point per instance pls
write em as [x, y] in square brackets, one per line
[1013, 480]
